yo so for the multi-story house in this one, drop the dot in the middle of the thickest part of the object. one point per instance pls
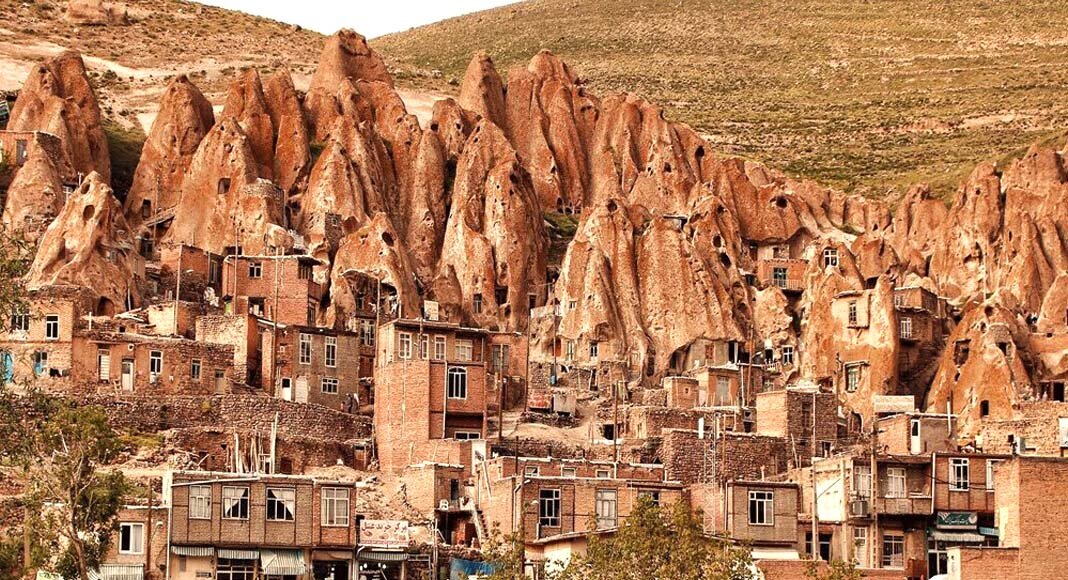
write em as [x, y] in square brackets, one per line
[278, 288]
[317, 365]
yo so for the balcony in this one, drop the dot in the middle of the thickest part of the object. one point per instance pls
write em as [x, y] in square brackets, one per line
[913, 504]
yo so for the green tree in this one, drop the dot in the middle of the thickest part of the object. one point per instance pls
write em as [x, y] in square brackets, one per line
[835, 570]
[506, 553]
[60, 450]
[659, 544]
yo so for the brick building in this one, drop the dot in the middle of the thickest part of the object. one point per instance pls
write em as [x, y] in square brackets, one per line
[241, 332]
[39, 341]
[138, 547]
[430, 392]
[759, 514]
[328, 367]
[229, 525]
[804, 415]
[278, 288]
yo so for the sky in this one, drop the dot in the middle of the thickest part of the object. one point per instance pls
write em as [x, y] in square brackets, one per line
[370, 18]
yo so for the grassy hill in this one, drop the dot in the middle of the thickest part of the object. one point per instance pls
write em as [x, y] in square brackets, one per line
[869, 96]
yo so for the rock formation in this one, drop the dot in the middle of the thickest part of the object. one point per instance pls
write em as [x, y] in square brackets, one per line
[57, 98]
[35, 195]
[345, 56]
[184, 118]
[88, 245]
[96, 13]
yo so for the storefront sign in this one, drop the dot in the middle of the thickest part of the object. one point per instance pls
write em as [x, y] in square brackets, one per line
[957, 520]
[384, 533]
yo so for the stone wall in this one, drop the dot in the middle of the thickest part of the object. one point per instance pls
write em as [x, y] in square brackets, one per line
[1037, 423]
[732, 456]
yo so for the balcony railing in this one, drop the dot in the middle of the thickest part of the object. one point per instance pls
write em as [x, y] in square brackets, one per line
[915, 504]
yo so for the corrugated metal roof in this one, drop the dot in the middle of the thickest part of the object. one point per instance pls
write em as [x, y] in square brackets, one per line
[376, 556]
[282, 562]
[232, 554]
[122, 571]
[192, 550]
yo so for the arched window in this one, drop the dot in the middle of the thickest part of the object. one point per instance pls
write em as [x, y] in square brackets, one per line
[457, 383]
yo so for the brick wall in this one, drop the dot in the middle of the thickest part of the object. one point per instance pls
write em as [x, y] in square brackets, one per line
[240, 333]
[1037, 425]
[732, 456]
[129, 364]
[351, 362]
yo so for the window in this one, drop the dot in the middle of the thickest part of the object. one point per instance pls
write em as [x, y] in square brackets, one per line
[255, 269]
[531, 471]
[852, 378]
[335, 507]
[367, 332]
[593, 349]
[895, 483]
[653, 496]
[603, 474]
[762, 508]
[131, 538]
[20, 322]
[439, 348]
[778, 277]
[467, 435]
[305, 343]
[235, 569]
[569, 472]
[194, 369]
[830, 257]
[906, 327]
[40, 362]
[899, 299]
[499, 358]
[304, 271]
[329, 385]
[20, 151]
[200, 502]
[571, 304]
[787, 355]
[853, 313]
[860, 547]
[52, 327]
[476, 304]
[990, 465]
[862, 481]
[405, 346]
[958, 474]
[424, 347]
[331, 351]
[224, 186]
[235, 503]
[549, 508]
[213, 272]
[464, 350]
[155, 364]
[457, 383]
[893, 550]
[280, 504]
[570, 350]
[606, 508]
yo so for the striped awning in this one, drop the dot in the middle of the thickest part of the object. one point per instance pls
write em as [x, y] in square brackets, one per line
[282, 562]
[207, 551]
[122, 571]
[232, 554]
[384, 557]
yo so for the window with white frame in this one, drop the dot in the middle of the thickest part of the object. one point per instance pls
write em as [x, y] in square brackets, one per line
[893, 550]
[531, 471]
[852, 378]
[305, 341]
[194, 369]
[255, 269]
[20, 321]
[958, 474]
[594, 349]
[52, 327]
[830, 257]
[457, 383]
[367, 332]
[331, 351]
[439, 347]
[549, 508]
[235, 503]
[200, 502]
[895, 482]
[603, 474]
[281, 501]
[335, 507]
[761, 508]
[991, 464]
[329, 385]
[131, 538]
[467, 435]
[606, 501]
[862, 481]
[424, 347]
[860, 547]
[155, 364]
[853, 313]
[570, 350]
[906, 327]
[569, 472]
[465, 350]
[787, 355]
[404, 351]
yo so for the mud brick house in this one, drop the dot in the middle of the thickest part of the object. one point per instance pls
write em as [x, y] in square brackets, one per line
[444, 493]
[39, 341]
[135, 363]
[916, 433]
[306, 364]
[964, 504]
[240, 332]
[1030, 516]
[921, 318]
[201, 272]
[138, 547]
[278, 288]
[16, 149]
[759, 514]
[554, 503]
[803, 414]
[724, 455]
[227, 525]
[430, 392]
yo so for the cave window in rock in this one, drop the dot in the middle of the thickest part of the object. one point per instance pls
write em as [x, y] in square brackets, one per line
[780, 202]
[852, 378]
[725, 259]
[594, 349]
[105, 307]
[788, 355]
[476, 304]
[853, 313]
[500, 294]
[146, 209]
[830, 257]
[1006, 349]
[224, 186]
[717, 241]
[984, 408]
[608, 432]
[146, 246]
[532, 301]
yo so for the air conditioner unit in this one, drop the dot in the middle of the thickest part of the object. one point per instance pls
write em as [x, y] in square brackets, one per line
[443, 505]
[859, 507]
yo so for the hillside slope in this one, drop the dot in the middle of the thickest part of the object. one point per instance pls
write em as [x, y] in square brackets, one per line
[865, 96]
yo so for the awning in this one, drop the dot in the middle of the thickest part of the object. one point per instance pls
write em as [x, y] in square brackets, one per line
[992, 532]
[326, 555]
[775, 554]
[122, 571]
[282, 562]
[231, 554]
[962, 537]
[206, 551]
[383, 557]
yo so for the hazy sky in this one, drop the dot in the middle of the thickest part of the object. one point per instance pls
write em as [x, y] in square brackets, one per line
[370, 18]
